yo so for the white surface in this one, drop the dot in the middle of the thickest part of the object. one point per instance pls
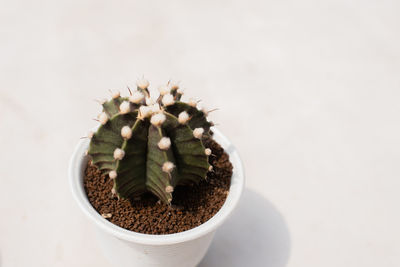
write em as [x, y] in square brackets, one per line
[308, 92]
[125, 248]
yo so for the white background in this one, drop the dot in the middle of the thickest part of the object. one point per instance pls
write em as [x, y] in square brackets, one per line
[308, 91]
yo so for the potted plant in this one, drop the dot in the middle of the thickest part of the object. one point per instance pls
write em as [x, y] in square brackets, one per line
[155, 179]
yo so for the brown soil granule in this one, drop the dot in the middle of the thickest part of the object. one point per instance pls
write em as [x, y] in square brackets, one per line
[191, 205]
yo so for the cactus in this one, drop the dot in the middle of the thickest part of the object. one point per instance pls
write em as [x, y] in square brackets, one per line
[151, 146]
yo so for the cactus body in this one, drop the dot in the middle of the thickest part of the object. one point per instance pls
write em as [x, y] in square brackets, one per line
[151, 147]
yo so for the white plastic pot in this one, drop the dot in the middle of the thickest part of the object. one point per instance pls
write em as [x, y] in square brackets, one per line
[125, 248]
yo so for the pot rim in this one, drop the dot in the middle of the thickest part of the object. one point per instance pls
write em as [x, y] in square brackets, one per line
[76, 169]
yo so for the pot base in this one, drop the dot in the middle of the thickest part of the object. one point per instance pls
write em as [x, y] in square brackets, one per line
[122, 253]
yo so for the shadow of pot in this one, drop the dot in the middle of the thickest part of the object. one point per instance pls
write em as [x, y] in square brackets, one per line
[256, 235]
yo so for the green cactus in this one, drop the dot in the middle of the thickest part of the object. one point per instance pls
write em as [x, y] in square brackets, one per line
[147, 146]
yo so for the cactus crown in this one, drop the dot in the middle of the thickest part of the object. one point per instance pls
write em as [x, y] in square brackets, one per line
[145, 145]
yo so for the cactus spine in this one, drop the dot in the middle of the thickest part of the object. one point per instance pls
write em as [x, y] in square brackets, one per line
[145, 145]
